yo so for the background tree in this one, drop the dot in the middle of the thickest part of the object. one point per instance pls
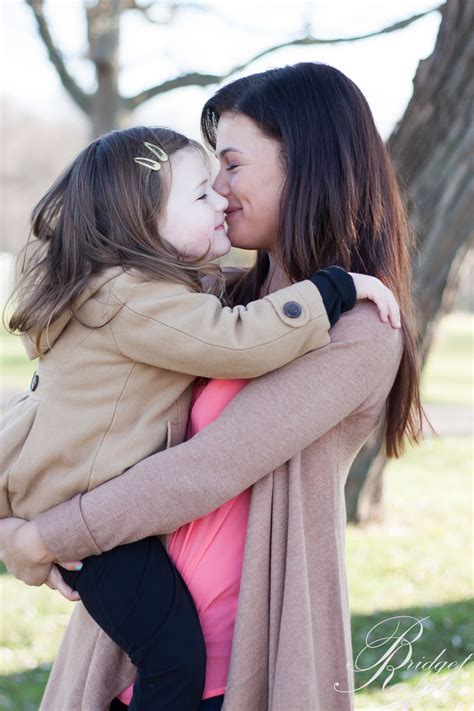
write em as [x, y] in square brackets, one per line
[433, 151]
[432, 148]
[106, 107]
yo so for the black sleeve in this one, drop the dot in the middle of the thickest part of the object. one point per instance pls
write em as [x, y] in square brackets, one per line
[337, 290]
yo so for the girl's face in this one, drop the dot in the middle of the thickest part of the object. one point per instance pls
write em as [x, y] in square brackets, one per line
[193, 217]
[251, 177]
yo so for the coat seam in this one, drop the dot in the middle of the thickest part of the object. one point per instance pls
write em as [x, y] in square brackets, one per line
[117, 402]
[225, 348]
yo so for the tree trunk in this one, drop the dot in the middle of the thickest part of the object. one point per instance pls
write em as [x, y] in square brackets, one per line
[432, 149]
[103, 30]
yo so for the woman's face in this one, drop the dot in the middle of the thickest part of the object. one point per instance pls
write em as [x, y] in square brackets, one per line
[251, 177]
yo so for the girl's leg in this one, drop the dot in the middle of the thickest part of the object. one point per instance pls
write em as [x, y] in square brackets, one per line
[137, 596]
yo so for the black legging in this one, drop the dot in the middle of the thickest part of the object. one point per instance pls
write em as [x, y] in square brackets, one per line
[213, 704]
[137, 596]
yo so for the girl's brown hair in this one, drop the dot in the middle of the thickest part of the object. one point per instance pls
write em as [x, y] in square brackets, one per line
[101, 212]
[340, 204]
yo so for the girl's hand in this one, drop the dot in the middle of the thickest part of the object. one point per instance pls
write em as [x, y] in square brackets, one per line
[369, 287]
[55, 581]
[24, 552]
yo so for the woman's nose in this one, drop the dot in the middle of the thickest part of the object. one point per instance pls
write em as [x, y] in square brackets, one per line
[220, 185]
[222, 202]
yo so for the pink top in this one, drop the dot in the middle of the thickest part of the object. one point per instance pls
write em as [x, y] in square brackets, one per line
[209, 552]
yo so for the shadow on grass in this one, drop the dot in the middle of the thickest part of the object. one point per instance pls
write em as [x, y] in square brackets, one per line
[449, 627]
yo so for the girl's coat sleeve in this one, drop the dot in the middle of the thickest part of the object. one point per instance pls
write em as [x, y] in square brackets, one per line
[193, 333]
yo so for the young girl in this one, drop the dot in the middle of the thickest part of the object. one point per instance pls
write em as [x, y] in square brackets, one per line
[112, 305]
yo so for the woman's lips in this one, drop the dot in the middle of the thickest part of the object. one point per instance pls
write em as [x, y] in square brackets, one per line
[229, 214]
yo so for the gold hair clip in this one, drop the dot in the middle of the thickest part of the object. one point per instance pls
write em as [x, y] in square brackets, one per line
[149, 162]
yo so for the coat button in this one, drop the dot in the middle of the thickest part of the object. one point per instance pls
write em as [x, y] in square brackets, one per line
[292, 309]
[34, 382]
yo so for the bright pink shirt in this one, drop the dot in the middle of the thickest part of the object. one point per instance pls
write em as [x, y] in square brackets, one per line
[209, 552]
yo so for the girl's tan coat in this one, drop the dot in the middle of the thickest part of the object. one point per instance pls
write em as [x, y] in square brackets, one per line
[292, 436]
[105, 397]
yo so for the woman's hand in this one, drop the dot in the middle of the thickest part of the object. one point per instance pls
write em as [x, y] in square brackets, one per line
[369, 287]
[23, 551]
[27, 557]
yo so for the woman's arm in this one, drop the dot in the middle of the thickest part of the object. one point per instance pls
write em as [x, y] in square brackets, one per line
[271, 420]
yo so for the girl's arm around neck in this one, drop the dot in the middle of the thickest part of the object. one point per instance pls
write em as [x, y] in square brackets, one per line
[167, 326]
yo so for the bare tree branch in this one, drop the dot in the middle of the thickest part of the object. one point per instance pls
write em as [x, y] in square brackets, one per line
[192, 79]
[338, 40]
[172, 8]
[197, 79]
[80, 97]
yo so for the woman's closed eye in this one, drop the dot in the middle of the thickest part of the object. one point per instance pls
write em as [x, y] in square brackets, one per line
[203, 196]
[232, 166]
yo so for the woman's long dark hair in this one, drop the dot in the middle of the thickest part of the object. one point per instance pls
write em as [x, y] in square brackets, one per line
[101, 212]
[340, 202]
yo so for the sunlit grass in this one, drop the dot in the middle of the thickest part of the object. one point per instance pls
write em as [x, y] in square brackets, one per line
[15, 368]
[449, 370]
[418, 563]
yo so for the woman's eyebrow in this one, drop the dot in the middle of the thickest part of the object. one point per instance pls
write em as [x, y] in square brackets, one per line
[223, 152]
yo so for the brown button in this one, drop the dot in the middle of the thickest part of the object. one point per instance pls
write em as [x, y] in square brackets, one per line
[292, 309]
[34, 382]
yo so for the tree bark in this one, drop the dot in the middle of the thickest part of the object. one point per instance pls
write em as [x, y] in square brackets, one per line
[103, 31]
[432, 148]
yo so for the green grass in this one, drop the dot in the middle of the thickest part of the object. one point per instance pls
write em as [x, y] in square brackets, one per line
[15, 368]
[448, 373]
[417, 563]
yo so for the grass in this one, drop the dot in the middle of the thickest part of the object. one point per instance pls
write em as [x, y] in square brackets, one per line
[448, 372]
[15, 370]
[418, 563]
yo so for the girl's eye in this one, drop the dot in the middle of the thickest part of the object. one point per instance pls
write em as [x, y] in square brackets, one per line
[231, 167]
[203, 196]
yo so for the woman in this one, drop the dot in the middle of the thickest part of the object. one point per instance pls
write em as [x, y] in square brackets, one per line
[309, 184]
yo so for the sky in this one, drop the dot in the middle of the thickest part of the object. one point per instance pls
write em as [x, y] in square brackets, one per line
[213, 40]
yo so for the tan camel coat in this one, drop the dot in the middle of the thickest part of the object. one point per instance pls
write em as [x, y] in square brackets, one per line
[291, 435]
